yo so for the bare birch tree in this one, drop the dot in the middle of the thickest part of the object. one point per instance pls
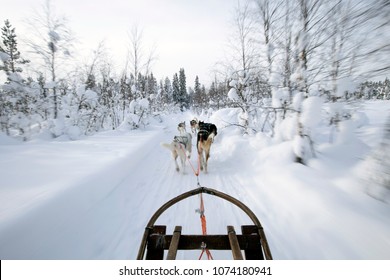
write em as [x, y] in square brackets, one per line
[140, 60]
[51, 40]
[244, 57]
[268, 13]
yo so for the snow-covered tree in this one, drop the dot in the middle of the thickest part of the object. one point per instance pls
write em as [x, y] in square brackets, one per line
[176, 89]
[9, 54]
[19, 115]
[267, 13]
[183, 98]
[196, 96]
[218, 94]
[167, 94]
[51, 40]
[244, 78]
[82, 111]
[377, 168]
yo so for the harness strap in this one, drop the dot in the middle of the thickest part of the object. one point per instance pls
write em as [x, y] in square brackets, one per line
[182, 140]
[205, 131]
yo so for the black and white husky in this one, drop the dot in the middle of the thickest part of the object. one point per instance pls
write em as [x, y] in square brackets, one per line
[180, 147]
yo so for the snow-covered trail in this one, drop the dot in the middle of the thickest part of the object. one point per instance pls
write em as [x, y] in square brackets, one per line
[157, 182]
[101, 211]
[92, 198]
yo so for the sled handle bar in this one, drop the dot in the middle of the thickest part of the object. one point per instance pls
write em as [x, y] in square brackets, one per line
[242, 206]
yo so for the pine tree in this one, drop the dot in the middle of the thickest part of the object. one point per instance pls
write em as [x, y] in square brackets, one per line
[176, 89]
[151, 85]
[183, 95]
[218, 93]
[9, 49]
[17, 100]
[197, 99]
[168, 91]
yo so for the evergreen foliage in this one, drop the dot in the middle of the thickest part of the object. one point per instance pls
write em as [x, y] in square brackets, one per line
[176, 90]
[183, 98]
[9, 53]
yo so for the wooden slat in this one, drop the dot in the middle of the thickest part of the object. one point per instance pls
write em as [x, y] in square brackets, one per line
[236, 251]
[174, 244]
[154, 250]
[144, 242]
[194, 242]
[253, 250]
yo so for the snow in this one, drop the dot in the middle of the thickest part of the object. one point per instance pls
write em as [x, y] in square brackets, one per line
[91, 198]
[4, 56]
[232, 94]
[54, 36]
[279, 97]
[345, 84]
[311, 111]
[50, 85]
[144, 103]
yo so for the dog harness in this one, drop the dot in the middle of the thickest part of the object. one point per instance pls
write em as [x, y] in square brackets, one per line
[207, 127]
[182, 140]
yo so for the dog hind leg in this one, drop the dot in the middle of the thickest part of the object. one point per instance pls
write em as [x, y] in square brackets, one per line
[200, 154]
[183, 164]
[207, 148]
[207, 155]
[175, 155]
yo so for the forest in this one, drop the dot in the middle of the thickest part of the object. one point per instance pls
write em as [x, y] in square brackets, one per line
[281, 53]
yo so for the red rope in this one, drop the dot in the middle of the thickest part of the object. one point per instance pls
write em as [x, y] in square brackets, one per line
[201, 210]
[204, 229]
[196, 172]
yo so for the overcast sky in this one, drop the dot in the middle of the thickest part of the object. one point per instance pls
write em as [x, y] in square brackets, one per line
[186, 33]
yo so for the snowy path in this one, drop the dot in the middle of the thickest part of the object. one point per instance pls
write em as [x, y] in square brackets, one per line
[91, 199]
[103, 215]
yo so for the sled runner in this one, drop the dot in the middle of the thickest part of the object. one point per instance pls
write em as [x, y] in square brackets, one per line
[252, 241]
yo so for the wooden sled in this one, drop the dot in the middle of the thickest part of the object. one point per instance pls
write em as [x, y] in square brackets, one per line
[252, 241]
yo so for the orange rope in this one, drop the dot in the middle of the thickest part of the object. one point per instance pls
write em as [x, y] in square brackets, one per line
[196, 172]
[201, 210]
[204, 229]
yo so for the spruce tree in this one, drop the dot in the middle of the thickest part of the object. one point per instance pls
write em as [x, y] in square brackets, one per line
[9, 49]
[183, 95]
[168, 90]
[176, 89]
[197, 94]
[18, 101]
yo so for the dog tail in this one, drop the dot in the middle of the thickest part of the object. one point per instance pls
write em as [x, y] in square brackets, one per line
[210, 139]
[167, 146]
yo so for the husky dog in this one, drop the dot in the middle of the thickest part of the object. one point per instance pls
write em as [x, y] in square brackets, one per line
[185, 138]
[180, 147]
[205, 137]
[194, 125]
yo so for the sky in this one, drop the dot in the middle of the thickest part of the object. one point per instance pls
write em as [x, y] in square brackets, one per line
[189, 34]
